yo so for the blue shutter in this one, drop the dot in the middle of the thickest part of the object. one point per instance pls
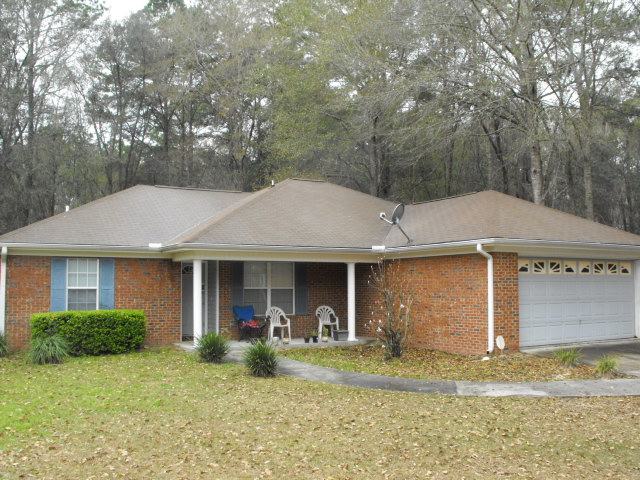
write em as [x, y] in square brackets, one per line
[58, 284]
[107, 284]
[302, 288]
[237, 283]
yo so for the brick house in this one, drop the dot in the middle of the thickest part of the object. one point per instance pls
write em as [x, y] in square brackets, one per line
[480, 265]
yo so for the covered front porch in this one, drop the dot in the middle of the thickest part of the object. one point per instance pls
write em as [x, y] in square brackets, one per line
[211, 288]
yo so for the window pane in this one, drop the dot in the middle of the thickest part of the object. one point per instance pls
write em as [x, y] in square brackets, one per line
[283, 298]
[255, 274]
[282, 275]
[72, 265]
[82, 265]
[72, 279]
[258, 299]
[82, 299]
[92, 280]
[92, 265]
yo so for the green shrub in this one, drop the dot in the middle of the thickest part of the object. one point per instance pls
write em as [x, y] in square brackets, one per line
[95, 332]
[261, 358]
[4, 345]
[50, 349]
[568, 357]
[212, 347]
[606, 364]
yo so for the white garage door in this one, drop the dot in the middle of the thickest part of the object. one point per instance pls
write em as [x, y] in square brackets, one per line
[567, 301]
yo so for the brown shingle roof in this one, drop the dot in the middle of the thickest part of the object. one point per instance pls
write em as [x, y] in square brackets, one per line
[131, 218]
[492, 214]
[299, 213]
[304, 213]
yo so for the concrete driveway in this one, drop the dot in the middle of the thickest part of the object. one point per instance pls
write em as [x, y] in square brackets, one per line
[627, 352]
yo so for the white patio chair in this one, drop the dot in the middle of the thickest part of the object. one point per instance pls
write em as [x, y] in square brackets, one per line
[324, 314]
[277, 319]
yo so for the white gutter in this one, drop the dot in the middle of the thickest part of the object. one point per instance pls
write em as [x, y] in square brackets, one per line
[490, 310]
[3, 289]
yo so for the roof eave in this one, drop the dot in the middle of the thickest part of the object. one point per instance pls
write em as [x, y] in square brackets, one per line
[58, 249]
[522, 246]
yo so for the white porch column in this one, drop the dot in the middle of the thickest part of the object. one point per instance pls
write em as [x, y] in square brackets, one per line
[636, 284]
[3, 289]
[197, 299]
[351, 301]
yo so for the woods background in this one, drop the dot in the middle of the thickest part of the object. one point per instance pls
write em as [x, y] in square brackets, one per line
[404, 99]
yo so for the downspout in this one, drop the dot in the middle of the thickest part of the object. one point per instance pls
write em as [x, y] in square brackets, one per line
[490, 311]
[3, 289]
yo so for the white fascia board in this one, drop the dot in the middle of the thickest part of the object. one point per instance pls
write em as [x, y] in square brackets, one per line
[60, 250]
[188, 252]
[545, 248]
[273, 254]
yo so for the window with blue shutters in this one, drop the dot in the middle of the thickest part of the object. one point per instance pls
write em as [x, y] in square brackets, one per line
[82, 284]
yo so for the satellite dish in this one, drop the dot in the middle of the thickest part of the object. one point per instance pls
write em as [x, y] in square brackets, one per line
[500, 342]
[397, 214]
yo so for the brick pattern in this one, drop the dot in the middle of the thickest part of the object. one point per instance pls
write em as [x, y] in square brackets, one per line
[450, 309]
[327, 286]
[28, 292]
[153, 286]
[450, 312]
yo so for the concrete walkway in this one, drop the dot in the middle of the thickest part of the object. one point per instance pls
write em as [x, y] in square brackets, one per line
[574, 388]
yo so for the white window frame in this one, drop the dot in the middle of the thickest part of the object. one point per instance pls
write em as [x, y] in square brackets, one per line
[268, 286]
[96, 288]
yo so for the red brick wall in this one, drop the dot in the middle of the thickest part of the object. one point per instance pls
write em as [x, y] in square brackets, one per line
[367, 299]
[153, 286]
[28, 292]
[450, 309]
[507, 299]
[450, 312]
[327, 286]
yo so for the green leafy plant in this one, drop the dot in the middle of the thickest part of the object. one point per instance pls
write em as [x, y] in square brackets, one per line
[49, 349]
[568, 357]
[313, 333]
[212, 347]
[606, 365]
[325, 332]
[96, 332]
[4, 345]
[261, 358]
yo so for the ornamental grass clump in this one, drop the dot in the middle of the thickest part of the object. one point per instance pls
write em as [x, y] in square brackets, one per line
[606, 365]
[49, 349]
[568, 357]
[212, 347]
[261, 358]
[4, 345]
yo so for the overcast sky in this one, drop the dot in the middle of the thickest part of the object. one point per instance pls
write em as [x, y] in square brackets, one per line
[121, 8]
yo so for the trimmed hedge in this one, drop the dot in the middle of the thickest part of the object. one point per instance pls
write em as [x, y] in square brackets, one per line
[94, 332]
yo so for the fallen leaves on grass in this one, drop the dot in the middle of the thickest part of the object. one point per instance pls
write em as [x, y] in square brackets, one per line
[167, 416]
[432, 364]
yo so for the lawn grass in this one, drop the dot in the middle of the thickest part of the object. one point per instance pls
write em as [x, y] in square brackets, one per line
[163, 415]
[431, 364]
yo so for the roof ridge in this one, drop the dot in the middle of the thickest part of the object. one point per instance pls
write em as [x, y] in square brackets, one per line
[195, 188]
[209, 222]
[450, 197]
[317, 180]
